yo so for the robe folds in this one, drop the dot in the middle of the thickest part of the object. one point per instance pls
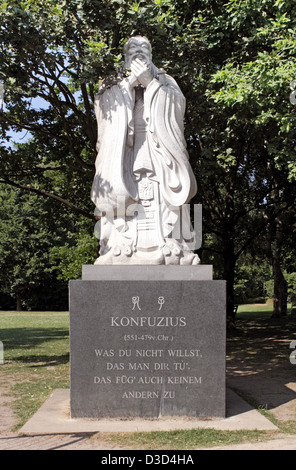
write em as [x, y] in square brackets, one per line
[164, 107]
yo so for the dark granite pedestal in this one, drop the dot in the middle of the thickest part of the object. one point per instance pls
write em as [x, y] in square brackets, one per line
[147, 341]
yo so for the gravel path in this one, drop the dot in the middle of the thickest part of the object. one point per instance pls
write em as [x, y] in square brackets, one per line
[12, 441]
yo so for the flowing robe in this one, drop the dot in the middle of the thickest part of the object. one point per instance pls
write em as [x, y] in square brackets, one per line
[115, 181]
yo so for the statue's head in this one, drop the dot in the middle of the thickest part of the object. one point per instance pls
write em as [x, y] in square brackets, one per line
[137, 47]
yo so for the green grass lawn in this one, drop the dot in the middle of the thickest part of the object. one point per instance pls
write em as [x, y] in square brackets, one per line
[36, 358]
[258, 310]
[36, 362]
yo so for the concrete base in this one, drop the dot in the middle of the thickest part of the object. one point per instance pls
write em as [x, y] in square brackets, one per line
[93, 272]
[53, 417]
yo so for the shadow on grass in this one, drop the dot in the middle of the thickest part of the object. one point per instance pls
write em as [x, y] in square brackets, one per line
[262, 339]
[45, 361]
[26, 338]
[258, 359]
[19, 345]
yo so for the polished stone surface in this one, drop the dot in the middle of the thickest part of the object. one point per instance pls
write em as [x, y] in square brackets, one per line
[147, 348]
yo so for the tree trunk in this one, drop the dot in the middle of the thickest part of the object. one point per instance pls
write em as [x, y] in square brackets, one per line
[280, 293]
[228, 275]
[18, 302]
[280, 289]
[229, 255]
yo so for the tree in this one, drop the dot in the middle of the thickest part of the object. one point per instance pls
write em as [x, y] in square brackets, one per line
[234, 61]
[246, 131]
[251, 274]
[30, 231]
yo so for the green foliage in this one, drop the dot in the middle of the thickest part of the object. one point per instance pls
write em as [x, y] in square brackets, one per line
[291, 281]
[234, 61]
[24, 242]
[31, 228]
[68, 260]
[251, 276]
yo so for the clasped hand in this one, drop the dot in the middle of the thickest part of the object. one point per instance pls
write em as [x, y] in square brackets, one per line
[140, 74]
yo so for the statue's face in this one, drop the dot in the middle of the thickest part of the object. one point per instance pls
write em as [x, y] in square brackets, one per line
[138, 48]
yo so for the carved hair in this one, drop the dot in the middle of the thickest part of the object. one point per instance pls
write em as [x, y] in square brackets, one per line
[126, 46]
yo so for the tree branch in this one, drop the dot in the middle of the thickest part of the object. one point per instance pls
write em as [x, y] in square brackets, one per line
[29, 126]
[45, 194]
[260, 229]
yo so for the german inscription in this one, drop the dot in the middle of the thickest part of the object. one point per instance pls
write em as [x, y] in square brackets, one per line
[132, 363]
[144, 353]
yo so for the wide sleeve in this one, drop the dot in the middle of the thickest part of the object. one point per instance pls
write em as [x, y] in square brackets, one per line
[164, 111]
[111, 182]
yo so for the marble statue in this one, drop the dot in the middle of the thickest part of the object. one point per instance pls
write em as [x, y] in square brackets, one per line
[143, 181]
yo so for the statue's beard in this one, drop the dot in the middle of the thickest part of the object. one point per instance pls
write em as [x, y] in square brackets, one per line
[144, 59]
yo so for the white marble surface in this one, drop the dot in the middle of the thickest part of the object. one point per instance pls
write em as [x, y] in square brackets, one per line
[143, 181]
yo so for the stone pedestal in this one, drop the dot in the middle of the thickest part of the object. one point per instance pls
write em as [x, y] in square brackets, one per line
[147, 341]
